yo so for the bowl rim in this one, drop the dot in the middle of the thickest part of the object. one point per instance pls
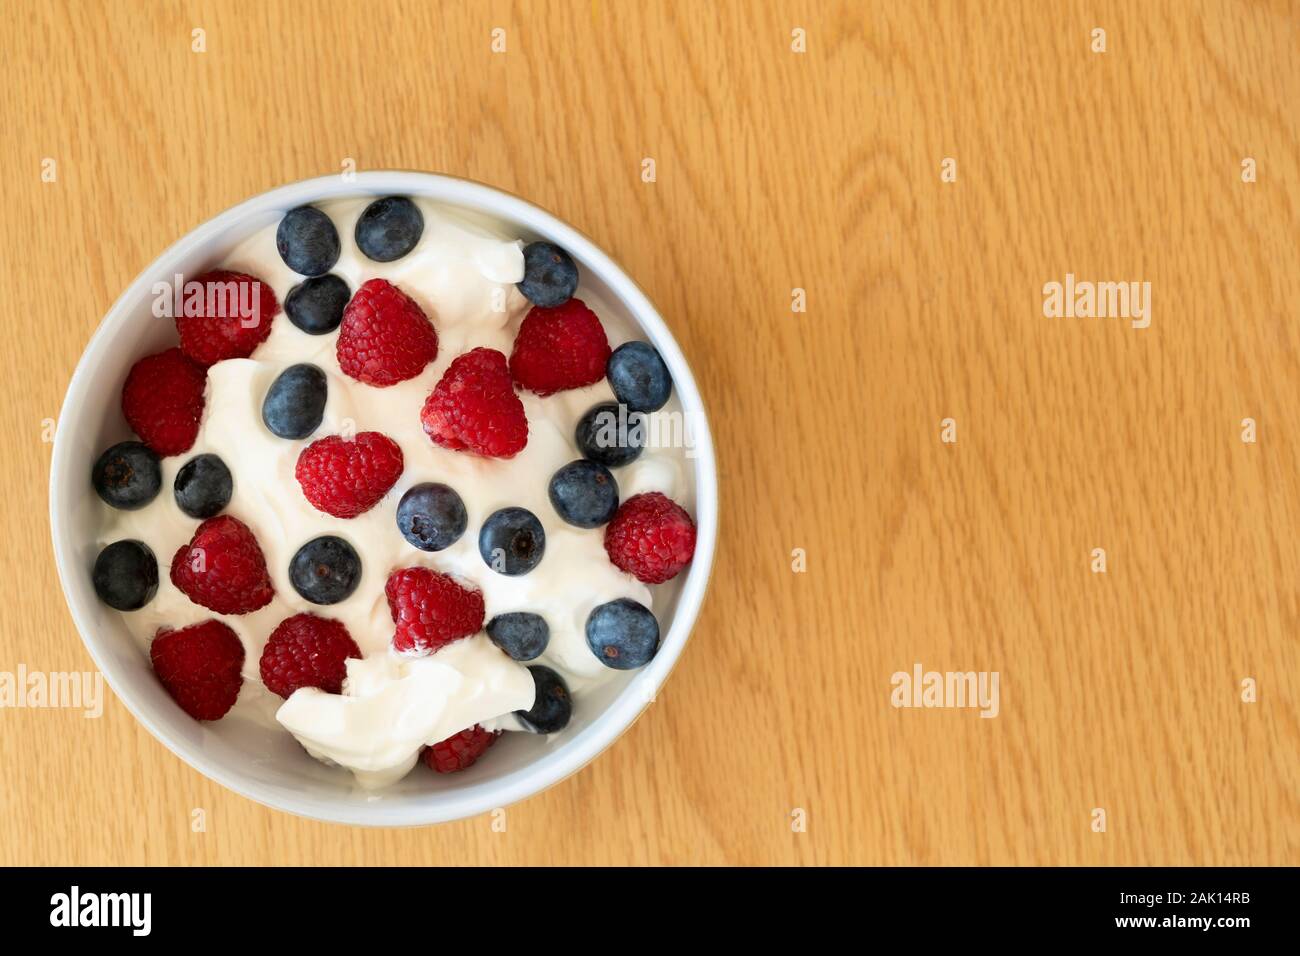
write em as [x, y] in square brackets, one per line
[552, 766]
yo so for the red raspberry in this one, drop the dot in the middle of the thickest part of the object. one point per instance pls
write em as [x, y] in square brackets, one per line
[307, 651]
[345, 478]
[560, 348]
[650, 537]
[459, 751]
[222, 568]
[163, 401]
[385, 337]
[474, 407]
[430, 610]
[231, 318]
[200, 666]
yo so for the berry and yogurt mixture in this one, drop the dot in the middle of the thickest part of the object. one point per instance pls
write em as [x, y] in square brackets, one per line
[395, 474]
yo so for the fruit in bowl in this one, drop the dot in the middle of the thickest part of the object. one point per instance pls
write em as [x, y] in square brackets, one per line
[395, 490]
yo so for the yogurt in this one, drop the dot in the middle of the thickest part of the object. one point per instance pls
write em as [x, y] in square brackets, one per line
[462, 274]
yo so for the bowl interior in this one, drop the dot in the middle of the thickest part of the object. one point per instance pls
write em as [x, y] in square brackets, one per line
[267, 764]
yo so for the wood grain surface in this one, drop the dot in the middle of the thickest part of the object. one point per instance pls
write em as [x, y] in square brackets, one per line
[775, 170]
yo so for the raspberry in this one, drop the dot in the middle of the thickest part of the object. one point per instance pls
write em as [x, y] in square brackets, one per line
[651, 538]
[459, 751]
[222, 568]
[228, 320]
[200, 666]
[345, 478]
[430, 610]
[307, 651]
[474, 407]
[385, 337]
[163, 401]
[560, 348]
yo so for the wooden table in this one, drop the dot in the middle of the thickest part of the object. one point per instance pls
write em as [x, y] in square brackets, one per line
[775, 170]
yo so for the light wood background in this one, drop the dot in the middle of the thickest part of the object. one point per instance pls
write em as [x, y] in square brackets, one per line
[775, 170]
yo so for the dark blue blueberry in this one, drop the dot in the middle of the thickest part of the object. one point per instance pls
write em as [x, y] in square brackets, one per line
[550, 276]
[203, 487]
[126, 575]
[389, 228]
[431, 516]
[295, 402]
[584, 493]
[520, 634]
[623, 634]
[316, 305]
[325, 570]
[307, 241]
[512, 541]
[611, 435]
[127, 476]
[639, 377]
[552, 706]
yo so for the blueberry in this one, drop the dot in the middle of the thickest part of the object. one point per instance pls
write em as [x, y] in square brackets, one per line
[295, 402]
[520, 634]
[431, 516]
[389, 228]
[307, 241]
[127, 476]
[316, 305]
[325, 570]
[550, 277]
[622, 634]
[203, 486]
[126, 575]
[512, 541]
[611, 435]
[639, 377]
[584, 493]
[552, 706]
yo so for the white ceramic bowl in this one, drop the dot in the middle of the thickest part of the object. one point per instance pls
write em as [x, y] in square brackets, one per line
[266, 764]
